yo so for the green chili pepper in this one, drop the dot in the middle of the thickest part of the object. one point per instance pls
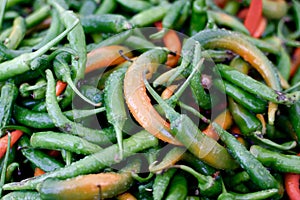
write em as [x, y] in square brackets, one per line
[63, 72]
[138, 43]
[242, 97]
[284, 63]
[224, 19]
[114, 103]
[9, 93]
[25, 89]
[178, 188]
[25, 195]
[61, 121]
[92, 163]
[76, 38]
[37, 157]
[280, 162]
[53, 31]
[284, 146]
[10, 169]
[258, 173]
[161, 183]
[236, 179]
[42, 120]
[255, 87]
[17, 33]
[21, 63]
[57, 141]
[245, 120]
[200, 95]
[92, 93]
[198, 17]
[197, 164]
[263, 194]
[88, 8]
[106, 6]
[105, 23]
[135, 5]
[151, 15]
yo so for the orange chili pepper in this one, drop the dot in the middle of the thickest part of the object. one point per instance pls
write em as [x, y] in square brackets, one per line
[126, 196]
[224, 119]
[168, 92]
[138, 101]
[106, 56]
[38, 171]
[173, 43]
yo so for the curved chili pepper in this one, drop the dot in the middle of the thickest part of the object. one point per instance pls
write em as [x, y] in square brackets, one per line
[239, 45]
[137, 99]
[171, 158]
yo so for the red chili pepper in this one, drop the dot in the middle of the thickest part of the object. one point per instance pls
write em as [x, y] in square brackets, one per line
[295, 61]
[243, 13]
[15, 135]
[60, 87]
[261, 28]
[220, 3]
[291, 182]
[254, 16]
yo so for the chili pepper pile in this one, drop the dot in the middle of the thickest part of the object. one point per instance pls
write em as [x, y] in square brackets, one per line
[149, 99]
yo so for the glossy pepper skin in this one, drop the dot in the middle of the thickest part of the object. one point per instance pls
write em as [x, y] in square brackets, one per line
[91, 186]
